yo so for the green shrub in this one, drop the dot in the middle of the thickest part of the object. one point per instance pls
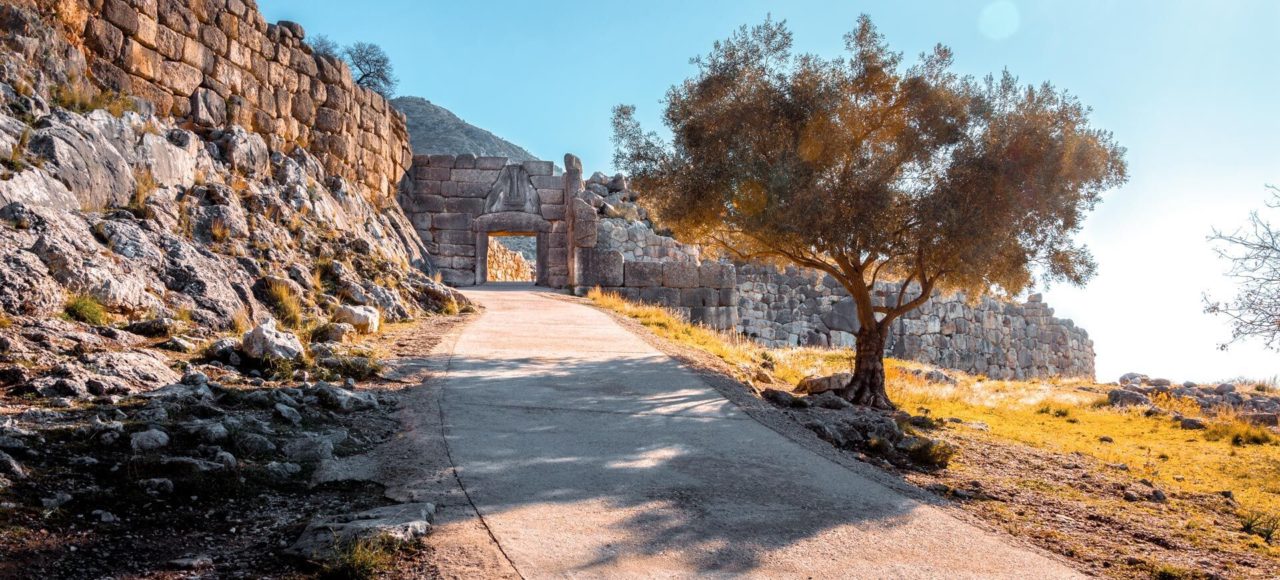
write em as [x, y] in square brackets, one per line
[86, 309]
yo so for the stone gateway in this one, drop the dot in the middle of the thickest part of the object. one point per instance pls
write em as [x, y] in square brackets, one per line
[591, 233]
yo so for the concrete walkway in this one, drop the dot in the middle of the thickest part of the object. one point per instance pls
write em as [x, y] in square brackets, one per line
[591, 454]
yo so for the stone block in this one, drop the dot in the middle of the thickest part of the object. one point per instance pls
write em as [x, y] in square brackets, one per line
[455, 277]
[105, 39]
[465, 161]
[491, 163]
[141, 61]
[425, 187]
[418, 203]
[557, 240]
[668, 297]
[729, 297]
[443, 161]
[601, 269]
[548, 181]
[122, 15]
[182, 79]
[551, 195]
[556, 256]
[477, 175]
[642, 274]
[699, 297]
[680, 275]
[455, 236]
[451, 221]
[717, 275]
[473, 189]
[455, 250]
[471, 205]
[421, 221]
[551, 211]
[539, 168]
[432, 173]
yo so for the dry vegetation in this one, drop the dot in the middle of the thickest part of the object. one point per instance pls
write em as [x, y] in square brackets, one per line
[1050, 461]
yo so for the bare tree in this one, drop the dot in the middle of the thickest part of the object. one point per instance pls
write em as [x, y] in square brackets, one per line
[1254, 253]
[324, 46]
[371, 67]
[871, 173]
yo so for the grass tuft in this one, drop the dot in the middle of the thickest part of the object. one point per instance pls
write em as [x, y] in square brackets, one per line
[286, 305]
[1238, 431]
[362, 559]
[145, 185]
[86, 309]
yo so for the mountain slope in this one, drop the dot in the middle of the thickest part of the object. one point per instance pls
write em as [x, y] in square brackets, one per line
[435, 130]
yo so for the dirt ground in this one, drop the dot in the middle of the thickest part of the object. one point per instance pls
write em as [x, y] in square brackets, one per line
[1070, 505]
[228, 523]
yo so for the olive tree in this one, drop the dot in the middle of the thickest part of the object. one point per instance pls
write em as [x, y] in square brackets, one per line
[873, 173]
[1254, 254]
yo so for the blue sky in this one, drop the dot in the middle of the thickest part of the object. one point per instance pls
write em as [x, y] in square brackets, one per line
[1192, 89]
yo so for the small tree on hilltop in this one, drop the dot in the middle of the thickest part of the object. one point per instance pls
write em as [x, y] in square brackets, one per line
[324, 46]
[871, 173]
[1254, 253]
[371, 67]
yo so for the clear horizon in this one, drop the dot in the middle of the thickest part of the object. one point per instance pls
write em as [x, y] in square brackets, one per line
[1188, 88]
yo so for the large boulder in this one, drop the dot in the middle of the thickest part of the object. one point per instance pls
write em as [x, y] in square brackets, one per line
[265, 342]
[1126, 398]
[814, 385]
[245, 152]
[364, 318]
[84, 160]
[325, 536]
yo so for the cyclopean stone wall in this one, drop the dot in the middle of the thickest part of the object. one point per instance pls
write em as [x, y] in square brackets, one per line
[217, 63]
[456, 202]
[592, 233]
[1002, 340]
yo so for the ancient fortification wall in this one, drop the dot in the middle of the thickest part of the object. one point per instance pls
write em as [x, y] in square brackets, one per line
[217, 62]
[457, 202]
[591, 233]
[1000, 339]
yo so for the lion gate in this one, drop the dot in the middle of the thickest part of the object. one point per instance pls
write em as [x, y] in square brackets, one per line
[456, 203]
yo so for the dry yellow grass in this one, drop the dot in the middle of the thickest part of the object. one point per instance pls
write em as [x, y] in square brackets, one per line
[286, 305]
[1058, 415]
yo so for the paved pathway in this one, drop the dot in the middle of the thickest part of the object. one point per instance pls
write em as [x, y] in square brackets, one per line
[591, 454]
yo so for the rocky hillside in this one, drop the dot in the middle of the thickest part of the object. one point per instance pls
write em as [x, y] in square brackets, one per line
[435, 130]
[179, 303]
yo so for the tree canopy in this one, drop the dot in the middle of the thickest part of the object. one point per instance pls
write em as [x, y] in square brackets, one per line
[1254, 254]
[371, 68]
[872, 172]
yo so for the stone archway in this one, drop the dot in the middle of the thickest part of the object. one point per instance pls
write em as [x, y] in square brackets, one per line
[509, 223]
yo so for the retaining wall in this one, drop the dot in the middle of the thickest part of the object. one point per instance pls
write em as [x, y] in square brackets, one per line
[218, 62]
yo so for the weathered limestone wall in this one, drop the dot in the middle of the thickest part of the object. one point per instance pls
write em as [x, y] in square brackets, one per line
[1003, 340]
[456, 201]
[218, 62]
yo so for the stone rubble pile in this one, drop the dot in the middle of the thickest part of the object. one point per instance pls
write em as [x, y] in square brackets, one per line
[1138, 390]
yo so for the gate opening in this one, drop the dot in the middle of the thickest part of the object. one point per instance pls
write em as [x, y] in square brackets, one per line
[512, 258]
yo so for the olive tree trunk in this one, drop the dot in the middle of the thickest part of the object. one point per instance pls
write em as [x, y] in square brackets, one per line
[867, 386]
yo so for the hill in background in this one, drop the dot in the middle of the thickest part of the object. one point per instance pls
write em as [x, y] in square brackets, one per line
[436, 130]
